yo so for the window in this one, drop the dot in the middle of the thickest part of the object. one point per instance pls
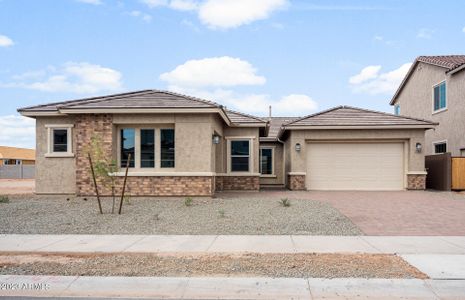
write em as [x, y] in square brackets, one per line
[167, 148]
[439, 97]
[397, 110]
[128, 142]
[147, 148]
[440, 148]
[59, 140]
[266, 161]
[240, 155]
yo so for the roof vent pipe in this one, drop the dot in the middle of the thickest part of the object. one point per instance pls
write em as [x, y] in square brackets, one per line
[269, 113]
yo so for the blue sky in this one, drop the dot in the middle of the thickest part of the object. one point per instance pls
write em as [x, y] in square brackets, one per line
[298, 56]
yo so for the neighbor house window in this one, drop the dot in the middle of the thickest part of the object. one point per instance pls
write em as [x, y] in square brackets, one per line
[147, 148]
[439, 98]
[266, 161]
[440, 147]
[397, 110]
[59, 140]
[240, 155]
[167, 148]
[128, 147]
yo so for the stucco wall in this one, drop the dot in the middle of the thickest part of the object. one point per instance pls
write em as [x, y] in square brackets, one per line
[54, 175]
[416, 100]
[278, 161]
[298, 160]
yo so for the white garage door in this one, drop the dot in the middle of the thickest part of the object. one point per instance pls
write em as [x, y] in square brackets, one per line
[355, 166]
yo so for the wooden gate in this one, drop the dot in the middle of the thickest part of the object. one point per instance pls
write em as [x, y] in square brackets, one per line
[458, 173]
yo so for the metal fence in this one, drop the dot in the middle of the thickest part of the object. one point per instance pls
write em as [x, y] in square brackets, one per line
[439, 175]
[17, 171]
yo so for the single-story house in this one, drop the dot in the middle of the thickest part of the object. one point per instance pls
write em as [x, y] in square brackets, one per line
[17, 156]
[182, 145]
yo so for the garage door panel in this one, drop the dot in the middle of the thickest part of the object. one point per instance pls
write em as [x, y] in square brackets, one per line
[355, 166]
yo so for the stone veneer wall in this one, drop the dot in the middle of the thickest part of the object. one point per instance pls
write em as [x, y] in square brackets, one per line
[239, 183]
[296, 182]
[87, 126]
[416, 182]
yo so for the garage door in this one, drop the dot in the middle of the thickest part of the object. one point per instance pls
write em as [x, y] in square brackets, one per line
[355, 166]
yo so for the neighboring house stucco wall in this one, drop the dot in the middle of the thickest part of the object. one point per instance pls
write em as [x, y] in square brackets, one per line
[416, 100]
[54, 175]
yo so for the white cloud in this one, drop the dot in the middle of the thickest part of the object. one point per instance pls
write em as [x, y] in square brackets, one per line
[138, 14]
[184, 5]
[71, 77]
[225, 14]
[367, 73]
[425, 33]
[17, 131]
[211, 72]
[94, 2]
[5, 41]
[371, 81]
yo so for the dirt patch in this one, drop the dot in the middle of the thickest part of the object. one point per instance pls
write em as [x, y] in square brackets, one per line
[234, 265]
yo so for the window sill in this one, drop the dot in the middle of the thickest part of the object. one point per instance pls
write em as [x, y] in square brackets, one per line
[439, 111]
[160, 174]
[268, 176]
[59, 155]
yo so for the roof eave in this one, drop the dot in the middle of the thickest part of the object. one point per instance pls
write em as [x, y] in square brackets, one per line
[316, 127]
[456, 70]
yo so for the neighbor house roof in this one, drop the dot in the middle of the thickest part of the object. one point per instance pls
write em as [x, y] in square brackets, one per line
[17, 153]
[451, 64]
[275, 127]
[143, 101]
[347, 117]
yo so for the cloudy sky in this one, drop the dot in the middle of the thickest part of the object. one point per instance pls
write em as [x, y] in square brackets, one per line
[298, 56]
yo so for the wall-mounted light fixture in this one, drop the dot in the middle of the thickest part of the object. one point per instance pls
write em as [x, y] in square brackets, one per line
[418, 147]
[298, 147]
[216, 139]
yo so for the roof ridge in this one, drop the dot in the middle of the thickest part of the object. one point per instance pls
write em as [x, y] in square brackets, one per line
[313, 115]
[79, 100]
[104, 98]
[188, 97]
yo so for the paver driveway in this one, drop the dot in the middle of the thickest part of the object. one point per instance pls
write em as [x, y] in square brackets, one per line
[389, 213]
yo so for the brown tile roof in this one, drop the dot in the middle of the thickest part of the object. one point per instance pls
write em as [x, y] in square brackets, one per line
[17, 153]
[275, 127]
[137, 99]
[241, 118]
[450, 62]
[352, 116]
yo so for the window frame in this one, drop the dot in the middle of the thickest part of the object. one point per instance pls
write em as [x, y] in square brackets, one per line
[50, 140]
[441, 109]
[439, 143]
[229, 156]
[157, 141]
[272, 148]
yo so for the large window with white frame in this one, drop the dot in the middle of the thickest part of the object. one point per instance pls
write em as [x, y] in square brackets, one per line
[266, 161]
[239, 155]
[439, 97]
[151, 148]
[59, 140]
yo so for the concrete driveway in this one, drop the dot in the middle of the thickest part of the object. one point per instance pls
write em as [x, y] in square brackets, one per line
[404, 213]
[17, 186]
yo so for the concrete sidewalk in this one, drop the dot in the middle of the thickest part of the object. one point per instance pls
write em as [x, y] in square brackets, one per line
[232, 243]
[230, 288]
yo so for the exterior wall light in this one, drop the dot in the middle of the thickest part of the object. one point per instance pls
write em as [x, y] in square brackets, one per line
[298, 147]
[216, 139]
[418, 147]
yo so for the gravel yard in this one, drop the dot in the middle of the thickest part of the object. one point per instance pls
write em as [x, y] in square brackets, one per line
[255, 265]
[56, 215]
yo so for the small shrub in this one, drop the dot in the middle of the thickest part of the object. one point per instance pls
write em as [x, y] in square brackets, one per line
[222, 213]
[188, 201]
[4, 199]
[127, 199]
[285, 202]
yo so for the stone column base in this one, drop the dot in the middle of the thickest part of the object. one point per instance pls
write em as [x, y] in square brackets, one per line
[416, 181]
[237, 183]
[296, 182]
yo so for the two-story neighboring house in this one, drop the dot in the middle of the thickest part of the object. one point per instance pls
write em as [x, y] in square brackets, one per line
[434, 89]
